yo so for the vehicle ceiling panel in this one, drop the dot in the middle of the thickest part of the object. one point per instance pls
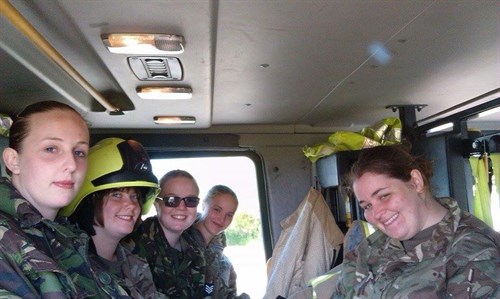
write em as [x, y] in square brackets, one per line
[440, 54]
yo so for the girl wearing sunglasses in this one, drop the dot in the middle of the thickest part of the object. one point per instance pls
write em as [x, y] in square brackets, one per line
[178, 267]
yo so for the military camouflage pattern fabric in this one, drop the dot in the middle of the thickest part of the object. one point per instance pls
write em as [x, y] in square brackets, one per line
[128, 277]
[29, 249]
[219, 271]
[460, 260]
[177, 274]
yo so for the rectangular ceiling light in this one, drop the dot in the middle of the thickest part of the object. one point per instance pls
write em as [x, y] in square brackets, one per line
[440, 128]
[174, 120]
[488, 112]
[164, 93]
[144, 43]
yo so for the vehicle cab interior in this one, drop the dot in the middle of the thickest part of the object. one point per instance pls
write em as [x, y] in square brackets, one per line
[266, 80]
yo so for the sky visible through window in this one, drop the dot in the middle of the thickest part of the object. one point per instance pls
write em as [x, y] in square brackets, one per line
[238, 173]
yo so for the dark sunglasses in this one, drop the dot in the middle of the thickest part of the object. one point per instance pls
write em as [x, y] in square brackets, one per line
[175, 201]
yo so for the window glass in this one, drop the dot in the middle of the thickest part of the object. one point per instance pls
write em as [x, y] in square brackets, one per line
[245, 243]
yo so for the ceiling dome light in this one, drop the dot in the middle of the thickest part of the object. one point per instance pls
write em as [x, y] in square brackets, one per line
[164, 93]
[144, 43]
[174, 120]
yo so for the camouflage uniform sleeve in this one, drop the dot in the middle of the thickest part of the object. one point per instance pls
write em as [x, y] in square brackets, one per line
[348, 270]
[25, 272]
[474, 268]
[138, 272]
[13, 285]
[21, 279]
[231, 290]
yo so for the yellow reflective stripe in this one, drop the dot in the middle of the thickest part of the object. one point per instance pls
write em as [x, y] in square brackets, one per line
[314, 282]
[368, 229]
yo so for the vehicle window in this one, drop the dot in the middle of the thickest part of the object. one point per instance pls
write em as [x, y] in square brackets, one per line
[245, 243]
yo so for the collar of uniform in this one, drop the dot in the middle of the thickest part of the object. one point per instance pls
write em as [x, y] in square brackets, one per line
[454, 215]
[12, 203]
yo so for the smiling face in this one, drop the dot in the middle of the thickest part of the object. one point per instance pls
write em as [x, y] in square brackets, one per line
[51, 166]
[120, 211]
[176, 220]
[395, 207]
[218, 215]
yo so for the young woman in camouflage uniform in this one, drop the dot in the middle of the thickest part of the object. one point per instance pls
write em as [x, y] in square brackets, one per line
[178, 266]
[219, 207]
[46, 160]
[118, 185]
[425, 247]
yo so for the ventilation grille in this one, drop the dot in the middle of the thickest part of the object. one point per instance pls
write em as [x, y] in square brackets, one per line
[156, 68]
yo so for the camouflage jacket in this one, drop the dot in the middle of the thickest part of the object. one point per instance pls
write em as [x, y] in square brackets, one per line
[29, 249]
[130, 274]
[177, 274]
[461, 260]
[220, 277]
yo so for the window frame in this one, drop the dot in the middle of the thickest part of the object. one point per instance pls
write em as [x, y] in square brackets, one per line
[169, 153]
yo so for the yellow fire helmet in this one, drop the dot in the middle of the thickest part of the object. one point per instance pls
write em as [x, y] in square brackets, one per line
[117, 163]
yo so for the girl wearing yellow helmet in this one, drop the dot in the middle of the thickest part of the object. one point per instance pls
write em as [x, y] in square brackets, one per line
[119, 184]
